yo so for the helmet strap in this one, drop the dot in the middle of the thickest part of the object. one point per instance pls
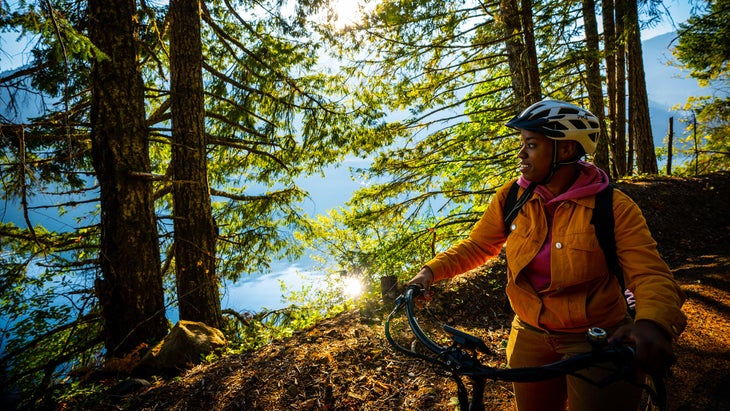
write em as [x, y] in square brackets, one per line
[555, 164]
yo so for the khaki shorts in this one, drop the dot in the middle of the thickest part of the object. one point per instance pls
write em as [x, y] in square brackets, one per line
[529, 346]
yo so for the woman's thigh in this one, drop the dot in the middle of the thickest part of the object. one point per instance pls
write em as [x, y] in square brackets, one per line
[529, 347]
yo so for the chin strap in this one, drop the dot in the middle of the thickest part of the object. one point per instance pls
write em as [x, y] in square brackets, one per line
[554, 165]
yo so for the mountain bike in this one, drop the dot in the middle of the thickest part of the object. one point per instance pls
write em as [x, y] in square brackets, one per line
[461, 359]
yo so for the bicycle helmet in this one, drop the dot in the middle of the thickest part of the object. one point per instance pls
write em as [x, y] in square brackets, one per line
[560, 120]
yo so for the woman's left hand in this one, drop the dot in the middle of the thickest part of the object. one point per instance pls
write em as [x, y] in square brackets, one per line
[654, 353]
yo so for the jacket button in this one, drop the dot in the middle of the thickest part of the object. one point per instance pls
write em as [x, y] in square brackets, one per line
[513, 227]
[558, 245]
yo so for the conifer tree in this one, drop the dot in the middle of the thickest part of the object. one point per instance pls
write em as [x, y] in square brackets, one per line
[195, 231]
[130, 287]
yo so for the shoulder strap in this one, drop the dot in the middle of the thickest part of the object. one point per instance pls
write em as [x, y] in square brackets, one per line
[512, 204]
[603, 221]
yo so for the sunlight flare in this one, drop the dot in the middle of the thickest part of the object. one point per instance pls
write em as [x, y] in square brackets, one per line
[348, 12]
[352, 287]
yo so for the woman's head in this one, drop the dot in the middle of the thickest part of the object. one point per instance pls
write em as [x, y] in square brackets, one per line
[554, 133]
[559, 120]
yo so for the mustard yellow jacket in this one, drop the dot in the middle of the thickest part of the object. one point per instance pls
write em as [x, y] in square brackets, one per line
[582, 293]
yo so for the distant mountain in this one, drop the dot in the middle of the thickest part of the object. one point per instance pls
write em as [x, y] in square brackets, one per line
[667, 85]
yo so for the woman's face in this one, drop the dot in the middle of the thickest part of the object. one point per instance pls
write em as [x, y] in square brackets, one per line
[536, 155]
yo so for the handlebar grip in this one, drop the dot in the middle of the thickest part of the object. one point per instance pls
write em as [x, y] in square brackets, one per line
[412, 292]
[416, 290]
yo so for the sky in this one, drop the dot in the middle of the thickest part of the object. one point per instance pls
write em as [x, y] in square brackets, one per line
[679, 11]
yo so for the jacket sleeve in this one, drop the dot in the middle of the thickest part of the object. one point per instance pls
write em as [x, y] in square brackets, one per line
[658, 297]
[484, 242]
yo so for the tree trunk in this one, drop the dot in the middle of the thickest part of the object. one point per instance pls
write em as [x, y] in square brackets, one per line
[195, 231]
[530, 63]
[521, 52]
[130, 287]
[621, 156]
[639, 119]
[594, 83]
[609, 44]
[515, 53]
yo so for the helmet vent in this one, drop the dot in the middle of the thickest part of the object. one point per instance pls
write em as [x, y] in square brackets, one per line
[580, 125]
[541, 114]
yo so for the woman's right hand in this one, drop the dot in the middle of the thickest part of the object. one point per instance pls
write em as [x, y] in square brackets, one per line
[424, 278]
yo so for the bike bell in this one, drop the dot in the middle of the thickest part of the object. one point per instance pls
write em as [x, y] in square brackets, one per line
[597, 336]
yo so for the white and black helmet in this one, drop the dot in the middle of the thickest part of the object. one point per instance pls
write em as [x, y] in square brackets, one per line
[560, 120]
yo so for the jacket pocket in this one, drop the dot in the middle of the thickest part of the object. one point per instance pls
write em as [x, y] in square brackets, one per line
[522, 244]
[579, 257]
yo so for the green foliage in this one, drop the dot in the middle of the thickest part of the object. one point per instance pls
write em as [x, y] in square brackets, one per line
[702, 46]
[424, 92]
[705, 141]
[272, 117]
[80, 395]
[703, 50]
[441, 69]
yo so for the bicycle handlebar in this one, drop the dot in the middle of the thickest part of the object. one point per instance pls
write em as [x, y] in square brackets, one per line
[461, 357]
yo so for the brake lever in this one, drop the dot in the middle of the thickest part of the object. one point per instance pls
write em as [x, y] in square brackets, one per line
[466, 340]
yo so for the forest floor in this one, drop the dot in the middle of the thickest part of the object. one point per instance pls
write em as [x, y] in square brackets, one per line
[345, 363]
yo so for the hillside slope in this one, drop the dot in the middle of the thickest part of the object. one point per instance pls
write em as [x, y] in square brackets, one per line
[345, 363]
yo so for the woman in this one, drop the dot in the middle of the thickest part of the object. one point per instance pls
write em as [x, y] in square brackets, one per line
[559, 284]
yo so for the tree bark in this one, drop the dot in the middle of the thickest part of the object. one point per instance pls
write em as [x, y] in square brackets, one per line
[521, 52]
[515, 53]
[195, 231]
[621, 156]
[594, 84]
[534, 89]
[639, 118]
[130, 287]
[610, 50]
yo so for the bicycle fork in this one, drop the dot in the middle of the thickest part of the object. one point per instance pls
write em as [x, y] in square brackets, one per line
[477, 395]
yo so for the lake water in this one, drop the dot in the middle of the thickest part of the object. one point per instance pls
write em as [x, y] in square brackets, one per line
[250, 293]
[326, 192]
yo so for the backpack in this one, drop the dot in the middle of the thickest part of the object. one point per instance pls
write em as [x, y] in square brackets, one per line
[602, 220]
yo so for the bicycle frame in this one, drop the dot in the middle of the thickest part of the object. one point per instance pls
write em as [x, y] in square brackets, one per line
[461, 359]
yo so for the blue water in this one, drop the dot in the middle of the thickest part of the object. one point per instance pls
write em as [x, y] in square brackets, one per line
[250, 293]
[254, 293]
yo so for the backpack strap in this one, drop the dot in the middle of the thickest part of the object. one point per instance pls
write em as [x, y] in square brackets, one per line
[602, 219]
[603, 222]
[514, 204]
